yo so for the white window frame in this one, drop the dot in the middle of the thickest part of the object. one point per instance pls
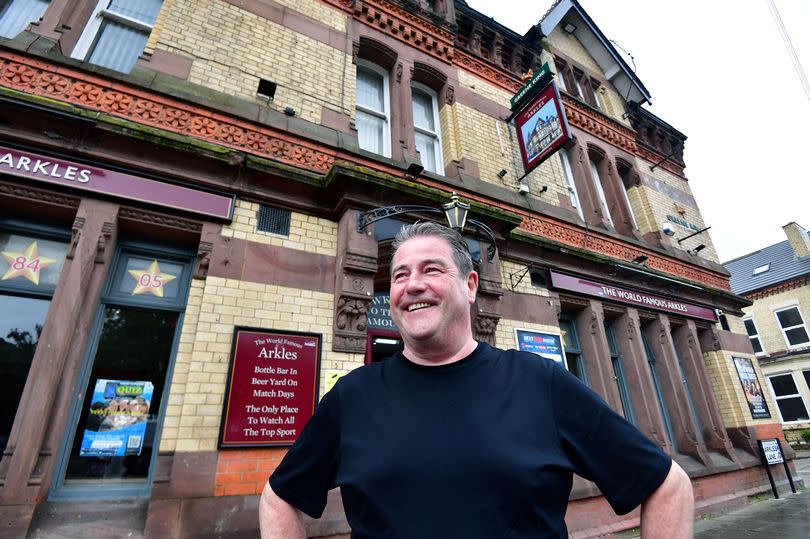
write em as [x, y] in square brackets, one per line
[754, 336]
[759, 270]
[565, 159]
[88, 38]
[791, 396]
[435, 135]
[629, 206]
[785, 330]
[600, 191]
[385, 114]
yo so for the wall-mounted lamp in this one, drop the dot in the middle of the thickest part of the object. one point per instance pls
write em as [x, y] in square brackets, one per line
[543, 189]
[640, 259]
[697, 249]
[289, 111]
[413, 171]
[523, 189]
[455, 212]
[267, 88]
[502, 173]
[570, 28]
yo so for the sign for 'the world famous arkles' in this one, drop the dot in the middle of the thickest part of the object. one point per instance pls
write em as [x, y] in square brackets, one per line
[272, 387]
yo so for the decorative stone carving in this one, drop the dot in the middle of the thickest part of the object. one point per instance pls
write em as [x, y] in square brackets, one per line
[449, 95]
[484, 327]
[103, 242]
[78, 225]
[351, 321]
[203, 259]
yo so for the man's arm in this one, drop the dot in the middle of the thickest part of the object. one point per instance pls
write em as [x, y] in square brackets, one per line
[670, 511]
[278, 519]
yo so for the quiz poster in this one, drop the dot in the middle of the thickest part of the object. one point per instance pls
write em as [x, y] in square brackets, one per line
[116, 421]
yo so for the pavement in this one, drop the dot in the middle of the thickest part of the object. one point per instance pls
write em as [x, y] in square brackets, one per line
[786, 518]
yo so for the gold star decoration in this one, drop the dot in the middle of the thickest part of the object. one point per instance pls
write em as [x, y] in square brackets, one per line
[26, 264]
[151, 280]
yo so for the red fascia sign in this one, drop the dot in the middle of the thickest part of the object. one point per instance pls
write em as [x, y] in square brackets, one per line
[542, 127]
[42, 168]
[609, 292]
[272, 387]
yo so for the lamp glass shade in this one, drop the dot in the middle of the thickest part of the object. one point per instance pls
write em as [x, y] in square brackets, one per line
[456, 213]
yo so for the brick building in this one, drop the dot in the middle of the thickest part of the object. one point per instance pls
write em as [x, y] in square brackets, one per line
[777, 280]
[174, 172]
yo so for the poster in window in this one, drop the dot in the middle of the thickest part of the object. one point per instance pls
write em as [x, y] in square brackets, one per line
[272, 387]
[542, 127]
[751, 388]
[116, 421]
[547, 345]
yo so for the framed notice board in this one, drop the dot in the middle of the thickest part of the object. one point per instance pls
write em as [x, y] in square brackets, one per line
[272, 387]
[544, 344]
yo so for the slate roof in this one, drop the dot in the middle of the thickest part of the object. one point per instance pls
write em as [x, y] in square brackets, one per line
[785, 266]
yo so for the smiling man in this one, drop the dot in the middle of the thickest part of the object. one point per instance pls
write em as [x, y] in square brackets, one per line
[455, 438]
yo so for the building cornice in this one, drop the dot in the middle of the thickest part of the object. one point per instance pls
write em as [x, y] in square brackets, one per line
[63, 86]
[777, 288]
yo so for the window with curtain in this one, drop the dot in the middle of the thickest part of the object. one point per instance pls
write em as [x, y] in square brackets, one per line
[624, 174]
[373, 109]
[426, 128]
[569, 178]
[601, 192]
[117, 33]
[15, 15]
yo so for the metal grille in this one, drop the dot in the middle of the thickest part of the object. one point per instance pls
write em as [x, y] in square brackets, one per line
[273, 220]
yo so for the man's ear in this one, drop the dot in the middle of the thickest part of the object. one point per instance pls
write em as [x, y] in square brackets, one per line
[472, 286]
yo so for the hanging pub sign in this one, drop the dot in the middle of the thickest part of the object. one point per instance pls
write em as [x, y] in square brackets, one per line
[542, 127]
[546, 345]
[751, 388]
[272, 387]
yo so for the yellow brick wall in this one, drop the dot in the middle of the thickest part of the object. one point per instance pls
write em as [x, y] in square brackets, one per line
[307, 232]
[658, 205]
[216, 306]
[232, 49]
[728, 390]
[770, 334]
[512, 271]
[505, 334]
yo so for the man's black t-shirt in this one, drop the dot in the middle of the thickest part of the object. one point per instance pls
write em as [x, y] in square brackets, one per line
[483, 447]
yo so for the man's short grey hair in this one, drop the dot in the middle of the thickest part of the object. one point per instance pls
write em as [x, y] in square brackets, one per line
[458, 246]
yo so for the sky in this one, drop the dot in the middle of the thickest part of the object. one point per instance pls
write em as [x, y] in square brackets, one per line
[719, 72]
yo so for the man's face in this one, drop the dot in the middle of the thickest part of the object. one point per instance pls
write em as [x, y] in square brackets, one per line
[430, 300]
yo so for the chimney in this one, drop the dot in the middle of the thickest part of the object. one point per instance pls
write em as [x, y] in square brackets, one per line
[797, 236]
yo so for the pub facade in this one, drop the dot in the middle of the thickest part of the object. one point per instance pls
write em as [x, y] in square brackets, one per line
[197, 201]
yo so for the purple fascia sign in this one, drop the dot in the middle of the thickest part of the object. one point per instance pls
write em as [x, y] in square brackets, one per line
[42, 168]
[609, 292]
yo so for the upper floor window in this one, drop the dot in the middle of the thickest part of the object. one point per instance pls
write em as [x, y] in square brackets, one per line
[753, 335]
[15, 15]
[117, 32]
[788, 399]
[569, 178]
[793, 327]
[373, 109]
[627, 183]
[427, 131]
[600, 191]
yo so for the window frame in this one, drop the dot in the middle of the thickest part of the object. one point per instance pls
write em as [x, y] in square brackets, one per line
[385, 114]
[59, 491]
[778, 398]
[568, 172]
[32, 17]
[600, 190]
[784, 330]
[86, 44]
[754, 336]
[437, 135]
